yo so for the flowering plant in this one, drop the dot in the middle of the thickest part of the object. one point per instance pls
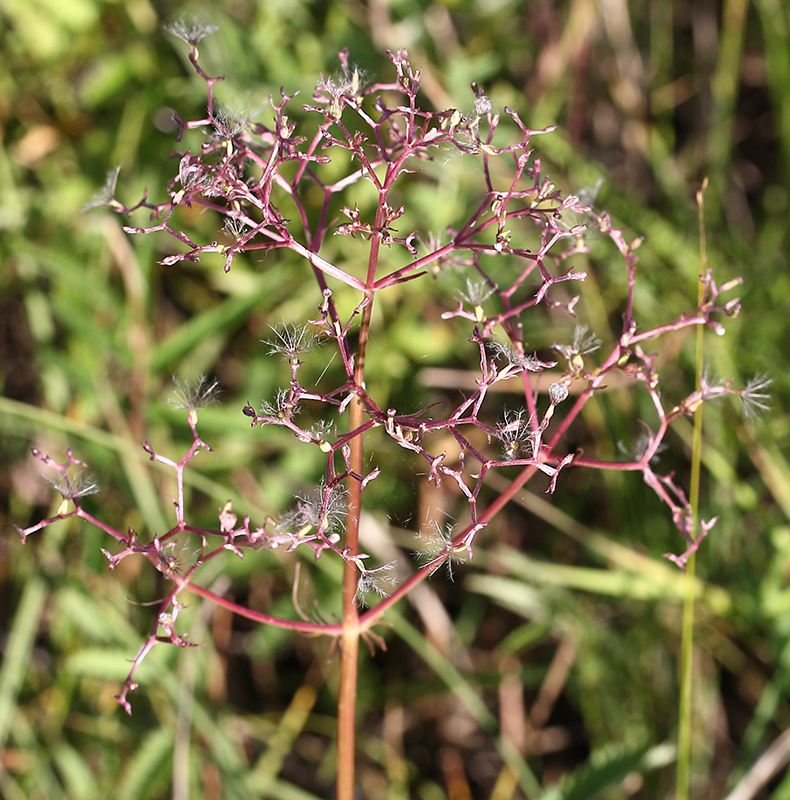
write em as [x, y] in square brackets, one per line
[275, 189]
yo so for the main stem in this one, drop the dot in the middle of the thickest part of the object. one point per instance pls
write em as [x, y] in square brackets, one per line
[349, 641]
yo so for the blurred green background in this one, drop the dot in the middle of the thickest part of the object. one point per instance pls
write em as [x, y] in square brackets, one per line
[562, 636]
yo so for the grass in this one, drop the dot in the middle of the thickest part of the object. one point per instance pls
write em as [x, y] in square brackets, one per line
[552, 660]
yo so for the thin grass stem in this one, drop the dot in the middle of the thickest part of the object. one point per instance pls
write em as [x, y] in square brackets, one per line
[687, 642]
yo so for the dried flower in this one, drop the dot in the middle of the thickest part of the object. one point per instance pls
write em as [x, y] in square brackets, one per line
[754, 397]
[583, 343]
[557, 393]
[234, 228]
[516, 360]
[192, 395]
[516, 434]
[483, 105]
[279, 407]
[190, 31]
[229, 123]
[322, 511]
[292, 341]
[106, 195]
[437, 547]
[378, 581]
[78, 485]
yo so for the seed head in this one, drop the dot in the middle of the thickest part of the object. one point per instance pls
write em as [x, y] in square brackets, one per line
[515, 433]
[279, 407]
[436, 547]
[291, 341]
[190, 31]
[78, 485]
[322, 510]
[517, 360]
[482, 106]
[192, 395]
[377, 581]
[557, 393]
[583, 343]
[106, 195]
[754, 397]
[477, 292]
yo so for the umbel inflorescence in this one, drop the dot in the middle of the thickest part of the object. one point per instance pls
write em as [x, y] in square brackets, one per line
[271, 189]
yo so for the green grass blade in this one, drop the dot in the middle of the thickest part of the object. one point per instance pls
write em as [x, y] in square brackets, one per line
[76, 773]
[608, 768]
[144, 771]
[17, 651]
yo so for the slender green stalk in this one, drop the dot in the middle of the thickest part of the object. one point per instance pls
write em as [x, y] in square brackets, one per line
[725, 94]
[687, 644]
